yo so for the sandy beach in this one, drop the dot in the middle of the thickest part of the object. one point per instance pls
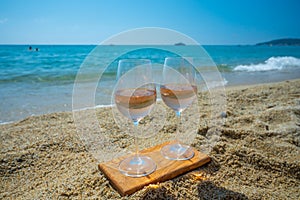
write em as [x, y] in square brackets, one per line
[256, 157]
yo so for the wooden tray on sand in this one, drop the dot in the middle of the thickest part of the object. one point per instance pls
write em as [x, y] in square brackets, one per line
[166, 169]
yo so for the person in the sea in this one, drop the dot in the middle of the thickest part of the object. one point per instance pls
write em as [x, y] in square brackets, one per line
[30, 48]
[36, 49]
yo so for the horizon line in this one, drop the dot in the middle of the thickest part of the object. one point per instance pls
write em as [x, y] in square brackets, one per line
[83, 44]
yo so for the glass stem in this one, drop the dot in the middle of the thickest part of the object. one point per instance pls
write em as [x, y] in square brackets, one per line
[136, 123]
[178, 119]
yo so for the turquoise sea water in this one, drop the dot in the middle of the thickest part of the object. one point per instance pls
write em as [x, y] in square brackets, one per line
[37, 82]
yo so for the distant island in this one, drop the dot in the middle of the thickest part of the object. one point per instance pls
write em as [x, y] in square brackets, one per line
[282, 42]
[179, 44]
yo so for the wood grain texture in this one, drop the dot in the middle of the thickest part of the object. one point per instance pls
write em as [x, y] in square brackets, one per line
[166, 169]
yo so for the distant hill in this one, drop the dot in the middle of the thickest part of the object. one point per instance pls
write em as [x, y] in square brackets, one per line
[282, 42]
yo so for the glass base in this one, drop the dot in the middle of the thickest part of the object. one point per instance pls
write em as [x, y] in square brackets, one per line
[177, 152]
[137, 166]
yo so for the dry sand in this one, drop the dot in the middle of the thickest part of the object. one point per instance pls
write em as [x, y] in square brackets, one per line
[257, 156]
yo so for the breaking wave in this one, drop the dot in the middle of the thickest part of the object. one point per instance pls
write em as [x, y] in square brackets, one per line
[273, 63]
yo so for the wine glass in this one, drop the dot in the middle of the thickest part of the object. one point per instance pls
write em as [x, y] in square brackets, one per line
[178, 91]
[135, 96]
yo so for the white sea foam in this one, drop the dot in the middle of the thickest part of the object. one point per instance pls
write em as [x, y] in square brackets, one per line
[273, 63]
[217, 84]
[9, 122]
[212, 85]
[93, 107]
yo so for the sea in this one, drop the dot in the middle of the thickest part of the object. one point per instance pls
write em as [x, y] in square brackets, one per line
[41, 80]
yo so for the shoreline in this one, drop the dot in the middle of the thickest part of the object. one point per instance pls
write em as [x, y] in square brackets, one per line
[255, 157]
[227, 87]
[244, 86]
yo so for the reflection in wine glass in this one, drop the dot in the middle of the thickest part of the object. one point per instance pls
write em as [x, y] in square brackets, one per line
[178, 91]
[135, 96]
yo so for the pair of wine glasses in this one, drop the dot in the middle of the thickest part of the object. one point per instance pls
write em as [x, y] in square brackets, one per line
[135, 96]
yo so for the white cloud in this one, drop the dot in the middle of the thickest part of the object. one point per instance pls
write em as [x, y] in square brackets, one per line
[2, 21]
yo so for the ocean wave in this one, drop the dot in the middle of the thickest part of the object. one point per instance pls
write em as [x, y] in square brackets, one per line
[54, 77]
[273, 63]
[36, 78]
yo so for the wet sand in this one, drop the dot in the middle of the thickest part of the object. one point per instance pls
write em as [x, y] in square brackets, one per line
[257, 155]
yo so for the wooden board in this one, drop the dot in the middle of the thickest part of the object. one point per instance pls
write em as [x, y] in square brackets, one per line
[166, 169]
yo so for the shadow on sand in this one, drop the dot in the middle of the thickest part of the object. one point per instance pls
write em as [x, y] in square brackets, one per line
[206, 189]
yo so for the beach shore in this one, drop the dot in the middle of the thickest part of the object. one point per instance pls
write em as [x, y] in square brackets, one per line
[256, 157]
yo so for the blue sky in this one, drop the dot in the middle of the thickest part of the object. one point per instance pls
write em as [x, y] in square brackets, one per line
[92, 21]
